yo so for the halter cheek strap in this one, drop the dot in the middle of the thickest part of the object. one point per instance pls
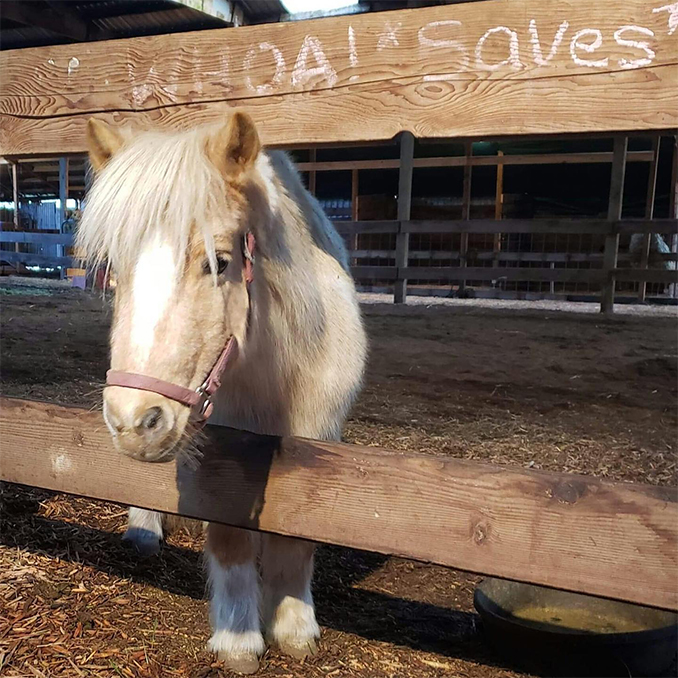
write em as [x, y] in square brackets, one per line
[199, 400]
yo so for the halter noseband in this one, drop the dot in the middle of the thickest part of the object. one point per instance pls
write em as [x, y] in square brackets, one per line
[199, 400]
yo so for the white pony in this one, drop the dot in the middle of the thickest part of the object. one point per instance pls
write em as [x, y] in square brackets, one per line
[176, 216]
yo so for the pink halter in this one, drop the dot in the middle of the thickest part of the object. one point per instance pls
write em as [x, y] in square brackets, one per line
[200, 400]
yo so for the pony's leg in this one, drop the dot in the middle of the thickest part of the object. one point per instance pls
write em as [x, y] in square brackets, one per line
[289, 613]
[144, 530]
[234, 589]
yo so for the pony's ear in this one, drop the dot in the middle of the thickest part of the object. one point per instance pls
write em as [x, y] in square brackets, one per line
[103, 141]
[235, 147]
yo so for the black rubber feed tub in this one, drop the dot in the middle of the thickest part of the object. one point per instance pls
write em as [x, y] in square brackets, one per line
[555, 633]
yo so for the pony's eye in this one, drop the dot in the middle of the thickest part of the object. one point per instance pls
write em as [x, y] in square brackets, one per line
[222, 265]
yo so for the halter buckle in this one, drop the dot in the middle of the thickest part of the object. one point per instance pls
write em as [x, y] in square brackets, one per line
[206, 400]
[248, 254]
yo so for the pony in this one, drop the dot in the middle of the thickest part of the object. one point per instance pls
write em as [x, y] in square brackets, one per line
[215, 243]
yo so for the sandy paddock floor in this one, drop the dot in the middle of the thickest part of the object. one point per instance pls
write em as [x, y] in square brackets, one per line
[532, 384]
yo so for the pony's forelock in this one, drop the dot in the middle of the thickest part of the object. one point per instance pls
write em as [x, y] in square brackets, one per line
[158, 184]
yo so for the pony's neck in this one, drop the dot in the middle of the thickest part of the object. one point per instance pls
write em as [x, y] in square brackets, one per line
[286, 316]
[283, 299]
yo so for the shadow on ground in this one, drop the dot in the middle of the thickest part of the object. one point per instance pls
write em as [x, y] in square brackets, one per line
[341, 603]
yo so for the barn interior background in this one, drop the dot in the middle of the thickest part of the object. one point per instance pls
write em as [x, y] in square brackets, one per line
[505, 178]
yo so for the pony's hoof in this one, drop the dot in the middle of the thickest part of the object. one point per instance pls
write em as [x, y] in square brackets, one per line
[245, 664]
[146, 543]
[299, 649]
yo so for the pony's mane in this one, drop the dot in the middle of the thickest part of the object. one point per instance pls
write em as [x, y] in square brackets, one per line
[157, 184]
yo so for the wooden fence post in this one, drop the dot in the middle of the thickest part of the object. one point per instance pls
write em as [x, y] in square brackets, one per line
[15, 196]
[15, 199]
[63, 197]
[355, 179]
[673, 208]
[465, 211]
[404, 210]
[614, 212]
[312, 174]
[649, 213]
[498, 207]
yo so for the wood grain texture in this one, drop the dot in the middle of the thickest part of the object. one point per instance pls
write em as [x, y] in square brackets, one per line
[566, 531]
[476, 69]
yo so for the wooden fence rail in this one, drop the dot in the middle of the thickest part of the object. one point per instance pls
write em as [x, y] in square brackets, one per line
[562, 530]
[481, 160]
[29, 259]
[401, 273]
[37, 238]
[558, 226]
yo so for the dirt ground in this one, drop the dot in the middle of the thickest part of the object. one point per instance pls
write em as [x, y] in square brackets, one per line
[529, 386]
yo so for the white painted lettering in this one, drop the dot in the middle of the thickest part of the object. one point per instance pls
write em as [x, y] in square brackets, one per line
[588, 47]
[536, 43]
[388, 37]
[427, 41]
[222, 73]
[171, 92]
[638, 44]
[302, 73]
[280, 68]
[513, 58]
[73, 65]
[198, 73]
[352, 51]
[672, 9]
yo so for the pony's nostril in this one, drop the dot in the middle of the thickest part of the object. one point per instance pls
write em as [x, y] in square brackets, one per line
[151, 419]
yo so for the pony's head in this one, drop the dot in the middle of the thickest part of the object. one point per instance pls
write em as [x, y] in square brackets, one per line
[168, 212]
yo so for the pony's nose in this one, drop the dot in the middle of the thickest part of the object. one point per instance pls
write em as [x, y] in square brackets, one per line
[151, 419]
[141, 422]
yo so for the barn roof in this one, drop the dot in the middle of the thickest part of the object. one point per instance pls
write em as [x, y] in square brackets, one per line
[53, 22]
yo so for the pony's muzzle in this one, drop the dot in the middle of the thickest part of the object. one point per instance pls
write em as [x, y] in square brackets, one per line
[143, 424]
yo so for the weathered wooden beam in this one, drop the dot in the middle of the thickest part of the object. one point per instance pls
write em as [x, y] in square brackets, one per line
[479, 69]
[571, 532]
